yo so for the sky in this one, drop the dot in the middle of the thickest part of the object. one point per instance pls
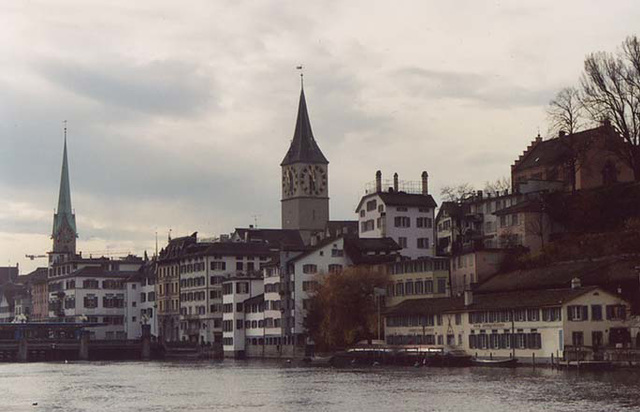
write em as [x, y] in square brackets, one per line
[179, 113]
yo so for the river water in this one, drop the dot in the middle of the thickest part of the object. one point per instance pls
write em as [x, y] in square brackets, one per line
[276, 386]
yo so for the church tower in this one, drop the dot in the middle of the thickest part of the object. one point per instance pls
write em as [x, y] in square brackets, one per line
[64, 232]
[305, 180]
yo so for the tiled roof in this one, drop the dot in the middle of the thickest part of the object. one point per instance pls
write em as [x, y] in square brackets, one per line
[607, 271]
[401, 199]
[493, 301]
[275, 238]
[357, 249]
[560, 149]
[303, 147]
[97, 271]
[255, 299]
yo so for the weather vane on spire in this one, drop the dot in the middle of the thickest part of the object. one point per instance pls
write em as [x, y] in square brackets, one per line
[65, 129]
[301, 75]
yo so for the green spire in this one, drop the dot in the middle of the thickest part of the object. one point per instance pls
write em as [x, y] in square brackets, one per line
[64, 198]
[64, 220]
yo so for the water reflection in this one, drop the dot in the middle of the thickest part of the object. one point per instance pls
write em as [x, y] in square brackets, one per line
[270, 386]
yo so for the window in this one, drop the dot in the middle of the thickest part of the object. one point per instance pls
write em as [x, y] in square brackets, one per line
[250, 267]
[402, 221]
[308, 285]
[399, 289]
[616, 312]
[218, 266]
[239, 324]
[423, 243]
[428, 286]
[442, 285]
[367, 225]
[371, 205]
[362, 212]
[577, 338]
[577, 313]
[337, 252]
[335, 268]
[533, 315]
[458, 322]
[309, 269]
[419, 287]
[402, 242]
[401, 209]
[551, 314]
[424, 222]
[503, 221]
[596, 312]
[242, 287]
[408, 288]
[239, 266]
[514, 219]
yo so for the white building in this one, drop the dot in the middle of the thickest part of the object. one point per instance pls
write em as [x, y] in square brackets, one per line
[563, 323]
[140, 302]
[235, 291]
[94, 292]
[403, 212]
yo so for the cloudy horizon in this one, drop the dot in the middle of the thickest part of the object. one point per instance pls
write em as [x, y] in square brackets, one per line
[179, 115]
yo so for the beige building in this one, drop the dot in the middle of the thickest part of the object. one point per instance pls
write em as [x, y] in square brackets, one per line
[468, 269]
[417, 279]
[565, 323]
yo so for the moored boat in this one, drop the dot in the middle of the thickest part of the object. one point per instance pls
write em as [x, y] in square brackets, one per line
[503, 363]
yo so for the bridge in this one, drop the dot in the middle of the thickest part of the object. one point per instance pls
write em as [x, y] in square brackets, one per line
[45, 341]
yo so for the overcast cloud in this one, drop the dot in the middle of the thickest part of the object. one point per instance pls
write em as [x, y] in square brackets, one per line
[180, 113]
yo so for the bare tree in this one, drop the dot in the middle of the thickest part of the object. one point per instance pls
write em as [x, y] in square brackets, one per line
[565, 111]
[499, 185]
[611, 91]
[457, 193]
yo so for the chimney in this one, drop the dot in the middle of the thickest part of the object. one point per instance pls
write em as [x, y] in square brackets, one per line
[425, 183]
[562, 133]
[395, 182]
[575, 283]
[378, 181]
[479, 194]
[468, 297]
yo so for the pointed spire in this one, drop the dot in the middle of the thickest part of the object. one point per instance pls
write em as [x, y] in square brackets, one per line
[304, 148]
[64, 217]
[64, 198]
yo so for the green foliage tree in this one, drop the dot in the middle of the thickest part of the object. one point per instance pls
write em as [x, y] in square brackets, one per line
[342, 307]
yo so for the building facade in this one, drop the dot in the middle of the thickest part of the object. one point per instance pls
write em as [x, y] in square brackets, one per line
[559, 323]
[405, 214]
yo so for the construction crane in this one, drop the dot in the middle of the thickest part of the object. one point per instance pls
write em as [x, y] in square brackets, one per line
[32, 257]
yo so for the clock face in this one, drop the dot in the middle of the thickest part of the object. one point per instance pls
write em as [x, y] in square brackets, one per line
[313, 180]
[289, 182]
[65, 234]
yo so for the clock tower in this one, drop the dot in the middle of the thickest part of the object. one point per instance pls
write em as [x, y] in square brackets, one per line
[64, 232]
[305, 180]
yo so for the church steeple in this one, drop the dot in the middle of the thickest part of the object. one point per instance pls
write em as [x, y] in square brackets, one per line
[304, 148]
[305, 180]
[64, 220]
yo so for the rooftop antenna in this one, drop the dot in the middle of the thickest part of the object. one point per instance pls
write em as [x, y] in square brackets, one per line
[156, 242]
[255, 220]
